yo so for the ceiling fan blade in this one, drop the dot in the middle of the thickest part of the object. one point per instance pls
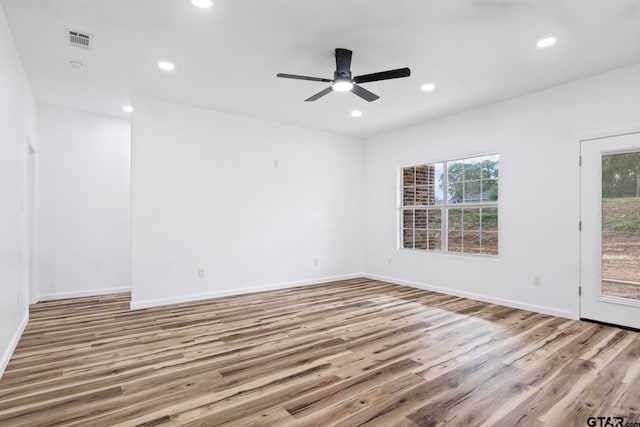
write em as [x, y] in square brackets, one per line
[293, 76]
[383, 75]
[364, 94]
[343, 62]
[319, 94]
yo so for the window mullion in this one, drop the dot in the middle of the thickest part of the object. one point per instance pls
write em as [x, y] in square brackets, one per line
[445, 208]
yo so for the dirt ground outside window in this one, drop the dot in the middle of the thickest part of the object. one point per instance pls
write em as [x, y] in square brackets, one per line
[621, 247]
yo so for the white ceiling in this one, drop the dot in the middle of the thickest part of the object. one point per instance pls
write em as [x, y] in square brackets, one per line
[475, 51]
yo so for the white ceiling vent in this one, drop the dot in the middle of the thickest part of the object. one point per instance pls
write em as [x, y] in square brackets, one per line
[80, 39]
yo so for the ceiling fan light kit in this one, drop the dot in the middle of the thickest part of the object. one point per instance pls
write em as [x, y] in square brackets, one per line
[343, 80]
[342, 85]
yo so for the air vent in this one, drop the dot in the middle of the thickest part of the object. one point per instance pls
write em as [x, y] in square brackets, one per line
[80, 39]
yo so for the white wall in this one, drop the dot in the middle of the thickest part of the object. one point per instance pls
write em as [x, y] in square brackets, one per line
[17, 125]
[206, 194]
[83, 207]
[537, 138]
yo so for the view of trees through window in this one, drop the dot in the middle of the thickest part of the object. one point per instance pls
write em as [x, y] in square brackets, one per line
[621, 175]
[451, 206]
[473, 180]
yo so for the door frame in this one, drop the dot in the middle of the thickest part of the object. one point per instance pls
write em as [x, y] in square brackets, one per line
[581, 140]
[31, 214]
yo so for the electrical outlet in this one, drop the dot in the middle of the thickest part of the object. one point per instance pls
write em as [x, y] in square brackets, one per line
[389, 261]
[201, 273]
[537, 281]
[316, 261]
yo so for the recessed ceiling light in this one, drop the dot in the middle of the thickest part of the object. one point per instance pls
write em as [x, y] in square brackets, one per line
[166, 66]
[428, 87]
[204, 4]
[549, 41]
[356, 113]
[127, 109]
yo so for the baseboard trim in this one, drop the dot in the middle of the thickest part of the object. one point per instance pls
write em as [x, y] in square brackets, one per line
[137, 305]
[478, 297]
[78, 294]
[6, 356]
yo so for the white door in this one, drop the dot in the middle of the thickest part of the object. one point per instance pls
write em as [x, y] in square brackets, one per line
[610, 223]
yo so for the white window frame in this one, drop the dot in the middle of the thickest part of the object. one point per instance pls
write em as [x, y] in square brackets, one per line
[444, 209]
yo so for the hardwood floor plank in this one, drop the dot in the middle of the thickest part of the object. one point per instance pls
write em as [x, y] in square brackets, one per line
[354, 352]
[353, 386]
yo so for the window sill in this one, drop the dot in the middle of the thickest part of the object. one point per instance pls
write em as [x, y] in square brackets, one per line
[451, 254]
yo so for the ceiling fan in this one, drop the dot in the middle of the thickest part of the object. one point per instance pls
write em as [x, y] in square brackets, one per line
[343, 80]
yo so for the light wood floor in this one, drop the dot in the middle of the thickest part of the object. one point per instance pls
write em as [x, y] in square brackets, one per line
[358, 352]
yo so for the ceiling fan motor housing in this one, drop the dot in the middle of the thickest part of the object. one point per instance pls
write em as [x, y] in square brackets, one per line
[341, 75]
[343, 64]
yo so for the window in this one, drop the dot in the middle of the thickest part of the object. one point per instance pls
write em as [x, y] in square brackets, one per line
[451, 206]
[422, 197]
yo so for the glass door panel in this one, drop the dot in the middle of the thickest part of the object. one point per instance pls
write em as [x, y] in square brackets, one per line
[621, 225]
